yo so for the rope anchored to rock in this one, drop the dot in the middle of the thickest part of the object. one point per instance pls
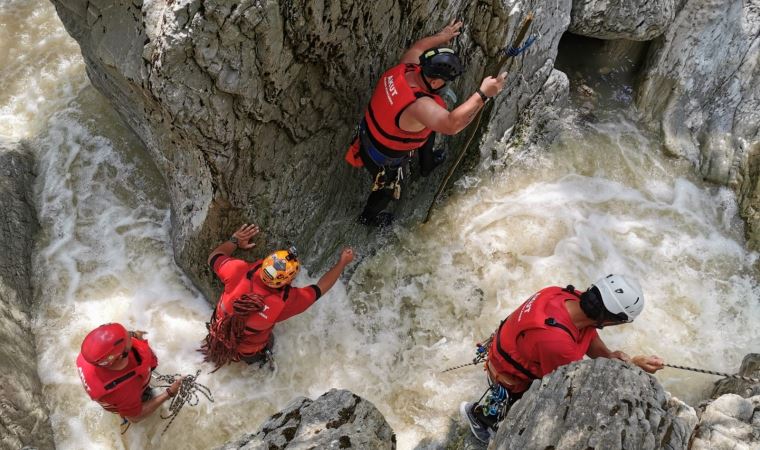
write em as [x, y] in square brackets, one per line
[508, 55]
[187, 394]
[711, 372]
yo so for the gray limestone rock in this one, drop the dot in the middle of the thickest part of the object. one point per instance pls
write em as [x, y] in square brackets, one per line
[750, 368]
[599, 403]
[338, 419]
[701, 84]
[636, 20]
[729, 423]
[248, 107]
[23, 414]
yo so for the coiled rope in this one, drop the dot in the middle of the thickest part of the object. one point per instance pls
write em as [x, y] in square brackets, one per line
[711, 372]
[187, 394]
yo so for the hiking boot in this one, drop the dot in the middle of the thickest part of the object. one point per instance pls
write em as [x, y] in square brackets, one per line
[481, 431]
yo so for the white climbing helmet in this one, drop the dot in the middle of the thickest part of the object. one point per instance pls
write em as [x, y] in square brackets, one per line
[621, 294]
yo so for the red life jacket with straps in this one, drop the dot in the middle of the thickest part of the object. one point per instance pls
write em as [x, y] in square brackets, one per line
[258, 325]
[508, 354]
[391, 97]
[100, 381]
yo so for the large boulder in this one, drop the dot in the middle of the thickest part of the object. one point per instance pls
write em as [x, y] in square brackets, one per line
[636, 20]
[598, 403]
[23, 414]
[729, 423]
[701, 84]
[248, 107]
[338, 419]
[750, 368]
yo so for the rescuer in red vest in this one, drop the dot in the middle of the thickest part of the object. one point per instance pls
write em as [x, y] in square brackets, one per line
[115, 366]
[554, 327]
[256, 296]
[405, 112]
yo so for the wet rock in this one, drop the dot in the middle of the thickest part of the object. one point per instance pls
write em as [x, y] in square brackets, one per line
[23, 414]
[701, 84]
[338, 419]
[750, 368]
[598, 403]
[728, 423]
[247, 108]
[637, 20]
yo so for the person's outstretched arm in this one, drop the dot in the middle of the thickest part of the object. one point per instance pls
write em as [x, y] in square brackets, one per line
[152, 405]
[243, 234]
[430, 114]
[328, 279]
[649, 364]
[449, 32]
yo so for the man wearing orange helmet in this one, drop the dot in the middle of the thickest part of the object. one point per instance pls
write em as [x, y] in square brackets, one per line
[256, 296]
[115, 366]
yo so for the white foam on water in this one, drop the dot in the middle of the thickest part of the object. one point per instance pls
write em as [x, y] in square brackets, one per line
[601, 200]
[41, 68]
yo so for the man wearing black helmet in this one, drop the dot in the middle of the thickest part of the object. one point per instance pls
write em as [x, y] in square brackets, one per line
[404, 114]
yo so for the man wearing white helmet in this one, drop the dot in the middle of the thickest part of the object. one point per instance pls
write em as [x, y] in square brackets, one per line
[554, 327]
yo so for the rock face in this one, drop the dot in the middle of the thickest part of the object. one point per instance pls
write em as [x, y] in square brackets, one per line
[248, 107]
[23, 415]
[338, 419]
[701, 83]
[599, 403]
[750, 368]
[635, 20]
[730, 422]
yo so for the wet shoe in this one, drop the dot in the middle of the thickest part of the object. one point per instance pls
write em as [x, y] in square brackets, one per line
[479, 430]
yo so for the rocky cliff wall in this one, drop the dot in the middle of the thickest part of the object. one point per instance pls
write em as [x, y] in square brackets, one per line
[701, 84]
[247, 108]
[23, 414]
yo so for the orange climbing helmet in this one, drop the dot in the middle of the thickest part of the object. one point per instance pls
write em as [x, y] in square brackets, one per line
[280, 268]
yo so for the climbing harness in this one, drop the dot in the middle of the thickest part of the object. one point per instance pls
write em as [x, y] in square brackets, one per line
[382, 181]
[188, 393]
[481, 352]
[710, 372]
[508, 54]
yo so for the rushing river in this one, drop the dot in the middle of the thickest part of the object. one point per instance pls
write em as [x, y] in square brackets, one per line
[602, 199]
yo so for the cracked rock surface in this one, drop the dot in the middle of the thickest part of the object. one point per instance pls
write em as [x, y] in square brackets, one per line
[630, 411]
[338, 419]
[248, 107]
[701, 85]
[23, 414]
[636, 20]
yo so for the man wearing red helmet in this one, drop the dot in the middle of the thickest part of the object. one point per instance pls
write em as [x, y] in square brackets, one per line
[256, 296]
[115, 366]
[405, 112]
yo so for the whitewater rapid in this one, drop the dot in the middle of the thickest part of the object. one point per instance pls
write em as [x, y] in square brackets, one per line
[602, 199]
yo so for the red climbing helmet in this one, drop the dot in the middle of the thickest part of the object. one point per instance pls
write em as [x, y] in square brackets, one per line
[104, 344]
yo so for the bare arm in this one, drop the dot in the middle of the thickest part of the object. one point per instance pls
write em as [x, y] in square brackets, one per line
[412, 55]
[432, 115]
[650, 364]
[243, 234]
[328, 279]
[152, 405]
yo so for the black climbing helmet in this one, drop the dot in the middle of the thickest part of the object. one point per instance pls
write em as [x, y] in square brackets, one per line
[441, 63]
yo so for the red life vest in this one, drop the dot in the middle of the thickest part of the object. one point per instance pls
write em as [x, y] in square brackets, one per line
[391, 97]
[259, 324]
[99, 381]
[531, 315]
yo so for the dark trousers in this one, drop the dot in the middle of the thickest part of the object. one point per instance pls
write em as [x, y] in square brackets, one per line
[260, 357]
[379, 200]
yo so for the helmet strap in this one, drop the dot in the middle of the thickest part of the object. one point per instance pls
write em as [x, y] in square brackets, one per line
[428, 86]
